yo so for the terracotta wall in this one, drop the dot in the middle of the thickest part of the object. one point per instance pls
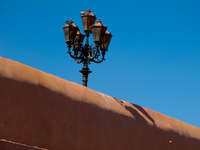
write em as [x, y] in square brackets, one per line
[45, 111]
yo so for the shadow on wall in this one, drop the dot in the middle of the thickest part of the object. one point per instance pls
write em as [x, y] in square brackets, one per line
[134, 112]
[56, 121]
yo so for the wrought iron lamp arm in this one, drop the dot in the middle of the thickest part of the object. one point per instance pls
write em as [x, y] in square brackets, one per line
[100, 60]
[71, 55]
[78, 61]
[96, 49]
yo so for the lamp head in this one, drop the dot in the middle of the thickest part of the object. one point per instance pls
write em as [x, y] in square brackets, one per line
[70, 30]
[106, 41]
[98, 31]
[88, 20]
[78, 41]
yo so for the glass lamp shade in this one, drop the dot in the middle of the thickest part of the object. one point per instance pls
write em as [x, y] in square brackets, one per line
[98, 31]
[88, 20]
[106, 41]
[78, 41]
[70, 30]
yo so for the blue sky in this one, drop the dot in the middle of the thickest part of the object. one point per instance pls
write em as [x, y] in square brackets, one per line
[154, 55]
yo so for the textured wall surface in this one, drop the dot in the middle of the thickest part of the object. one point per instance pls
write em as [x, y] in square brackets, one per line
[42, 110]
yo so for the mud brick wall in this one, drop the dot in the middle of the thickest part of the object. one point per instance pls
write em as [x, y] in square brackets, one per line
[42, 110]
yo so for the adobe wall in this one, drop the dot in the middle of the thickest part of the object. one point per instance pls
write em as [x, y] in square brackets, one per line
[42, 110]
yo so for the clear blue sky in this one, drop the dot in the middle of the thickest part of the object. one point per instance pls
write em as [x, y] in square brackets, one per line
[154, 56]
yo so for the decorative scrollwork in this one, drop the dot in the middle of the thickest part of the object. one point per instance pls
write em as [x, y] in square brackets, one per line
[87, 53]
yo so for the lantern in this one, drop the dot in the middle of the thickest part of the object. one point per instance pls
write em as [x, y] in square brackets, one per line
[106, 41]
[88, 20]
[78, 41]
[98, 31]
[70, 30]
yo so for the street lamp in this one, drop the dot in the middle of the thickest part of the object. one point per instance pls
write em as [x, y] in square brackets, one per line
[83, 52]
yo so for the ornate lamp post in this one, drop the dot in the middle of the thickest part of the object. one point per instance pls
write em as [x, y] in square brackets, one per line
[84, 52]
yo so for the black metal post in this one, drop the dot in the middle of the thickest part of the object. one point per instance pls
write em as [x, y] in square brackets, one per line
[85, 71]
